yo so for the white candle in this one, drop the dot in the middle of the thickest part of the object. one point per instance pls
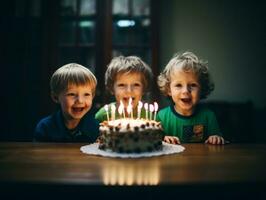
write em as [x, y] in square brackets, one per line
[146, 107]
[113, 111]
[106, 110]
[140, 104]
[151, 110]
[155, 109]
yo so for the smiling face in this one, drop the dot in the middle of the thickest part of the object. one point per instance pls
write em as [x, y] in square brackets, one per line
[128, 85]
[184, 90]
[75, 102]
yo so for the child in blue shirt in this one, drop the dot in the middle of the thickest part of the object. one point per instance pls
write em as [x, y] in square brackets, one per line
[186, 80]
[73, 88]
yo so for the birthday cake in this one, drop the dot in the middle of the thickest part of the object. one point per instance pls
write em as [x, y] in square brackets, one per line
[129, 135]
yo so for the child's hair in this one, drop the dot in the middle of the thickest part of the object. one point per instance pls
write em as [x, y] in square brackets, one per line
[129, 64]
[187, 61]
[69, 74]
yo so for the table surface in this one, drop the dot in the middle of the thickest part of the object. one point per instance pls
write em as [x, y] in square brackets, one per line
[64, 163]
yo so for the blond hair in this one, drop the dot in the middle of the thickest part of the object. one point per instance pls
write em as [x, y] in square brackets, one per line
[129, 64]
[186, 61]
[69, 74]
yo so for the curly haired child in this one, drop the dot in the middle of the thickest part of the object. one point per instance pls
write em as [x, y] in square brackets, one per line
[186, 80]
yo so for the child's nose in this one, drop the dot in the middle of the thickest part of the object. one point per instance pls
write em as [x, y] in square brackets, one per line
[129, 88]
[185, 89]
[80, 99]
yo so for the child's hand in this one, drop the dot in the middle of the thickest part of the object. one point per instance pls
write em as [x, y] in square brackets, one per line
[171, 140]
[215, 139]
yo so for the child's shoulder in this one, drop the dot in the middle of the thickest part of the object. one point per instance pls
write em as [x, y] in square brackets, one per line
[166, 111]
[203, 109]
[48, 120]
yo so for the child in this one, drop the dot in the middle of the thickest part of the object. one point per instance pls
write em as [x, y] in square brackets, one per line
[186, 80]
[73, 88]
[126, 78]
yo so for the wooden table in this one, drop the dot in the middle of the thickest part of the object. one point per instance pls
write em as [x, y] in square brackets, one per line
[229, 171]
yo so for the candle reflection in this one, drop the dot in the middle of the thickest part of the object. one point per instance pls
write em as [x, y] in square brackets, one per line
[137, 173]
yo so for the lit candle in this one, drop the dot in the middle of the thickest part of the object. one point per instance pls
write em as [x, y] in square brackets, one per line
[106, 110]
[121, 109]
[146, 107]
[129, 110]
[140, 104]
[113, 111]
[155, 109]
[151, 110]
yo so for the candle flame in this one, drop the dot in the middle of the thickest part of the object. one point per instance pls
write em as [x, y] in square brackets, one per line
[120, 108]
[156, 106]
[140, 105]
[146, 106]
[130, 101]
[151, 108]
[129, 109]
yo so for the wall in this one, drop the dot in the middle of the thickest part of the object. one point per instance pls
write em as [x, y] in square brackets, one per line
[230, 35]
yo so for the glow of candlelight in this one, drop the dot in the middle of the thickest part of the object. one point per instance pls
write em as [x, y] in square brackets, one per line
[155, 109]
[106, 110]
[151, 110]
[121, 109]
[146, 107]
[130, 101]
[113, 111]
[140, 104]
[131, 107]
[129, 110]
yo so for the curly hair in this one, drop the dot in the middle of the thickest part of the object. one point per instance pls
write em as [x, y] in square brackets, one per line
[71, 73]
[129, 64]
[187, 61]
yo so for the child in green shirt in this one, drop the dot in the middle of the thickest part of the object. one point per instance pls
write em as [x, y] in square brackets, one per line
[126, 78]
[186, 80]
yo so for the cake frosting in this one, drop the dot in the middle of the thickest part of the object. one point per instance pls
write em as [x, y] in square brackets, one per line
[128, 135]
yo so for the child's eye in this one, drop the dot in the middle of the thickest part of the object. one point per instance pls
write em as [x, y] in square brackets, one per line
[87, 94]
[178, 85]
[121, 85]
[70, 94]
[137, 85]
[193, 85]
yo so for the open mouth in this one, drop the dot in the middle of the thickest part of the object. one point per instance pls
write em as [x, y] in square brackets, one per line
[186, 100]
[77, 110]
[126, 99]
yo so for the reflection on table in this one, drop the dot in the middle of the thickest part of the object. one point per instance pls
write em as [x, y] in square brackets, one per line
[138, 173]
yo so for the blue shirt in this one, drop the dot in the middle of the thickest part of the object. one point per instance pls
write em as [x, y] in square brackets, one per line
[53, 129]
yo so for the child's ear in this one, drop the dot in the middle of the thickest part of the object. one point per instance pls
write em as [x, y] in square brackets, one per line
[169, 93]
[54, 97]
[111, 91]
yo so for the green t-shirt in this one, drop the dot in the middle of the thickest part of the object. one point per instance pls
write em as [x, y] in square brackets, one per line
[195, 128]
[101, 115]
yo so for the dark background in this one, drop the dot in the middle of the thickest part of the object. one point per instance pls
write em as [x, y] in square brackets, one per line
[229, 34]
